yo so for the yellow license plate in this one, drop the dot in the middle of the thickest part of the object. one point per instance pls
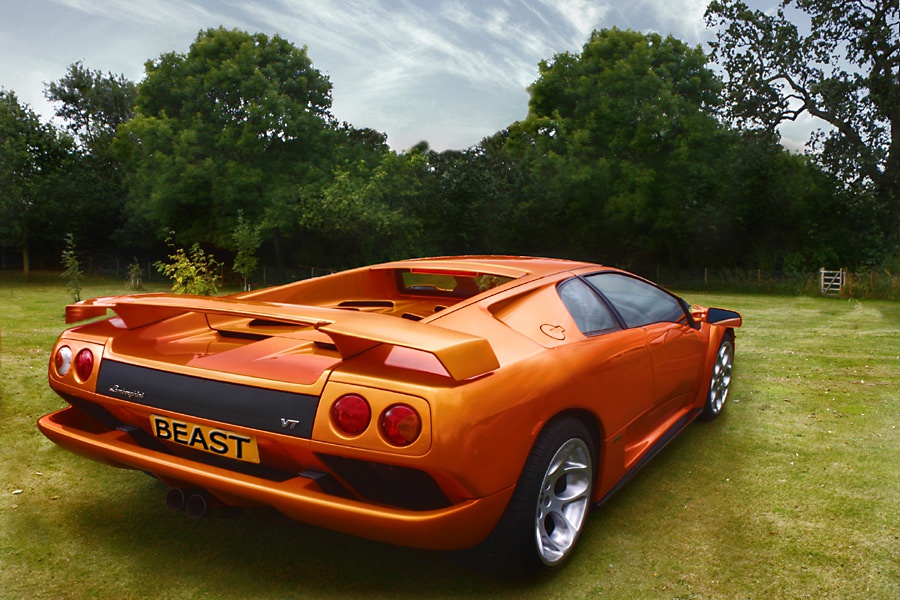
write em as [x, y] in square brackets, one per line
[208, 439]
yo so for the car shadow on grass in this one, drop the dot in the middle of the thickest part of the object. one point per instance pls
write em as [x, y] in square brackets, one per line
[258, 553]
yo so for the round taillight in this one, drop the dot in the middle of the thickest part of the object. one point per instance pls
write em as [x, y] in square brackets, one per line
[63, 360]
[351, 414]
[400, 425]
[84, 364]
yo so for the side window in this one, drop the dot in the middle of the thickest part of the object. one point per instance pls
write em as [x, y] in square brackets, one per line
[586, 308]
[638, 302]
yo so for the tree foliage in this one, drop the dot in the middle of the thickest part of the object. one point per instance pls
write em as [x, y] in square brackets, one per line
[36, 162]
[246, 238]
[836, 60]
[624, 158]
[226, 126]
[192, 271]
[92, 104]
[72, 273]
[617, 144]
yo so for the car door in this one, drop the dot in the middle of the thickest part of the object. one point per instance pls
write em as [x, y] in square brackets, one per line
[618, 373]
[675, 346]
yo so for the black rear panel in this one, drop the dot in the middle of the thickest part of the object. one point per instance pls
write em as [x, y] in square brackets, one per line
[257, 408]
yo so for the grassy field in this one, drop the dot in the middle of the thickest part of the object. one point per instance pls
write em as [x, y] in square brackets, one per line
[793, 493]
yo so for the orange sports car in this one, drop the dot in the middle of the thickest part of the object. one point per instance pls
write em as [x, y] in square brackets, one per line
[440, 403]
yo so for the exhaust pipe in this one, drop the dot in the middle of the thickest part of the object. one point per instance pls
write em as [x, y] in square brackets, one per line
[197, 505]
[175, 499]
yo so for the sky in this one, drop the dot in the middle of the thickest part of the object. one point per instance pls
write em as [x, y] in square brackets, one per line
[449, 72]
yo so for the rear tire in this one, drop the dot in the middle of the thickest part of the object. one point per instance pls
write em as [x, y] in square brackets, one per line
[548, 509]
[719, 379]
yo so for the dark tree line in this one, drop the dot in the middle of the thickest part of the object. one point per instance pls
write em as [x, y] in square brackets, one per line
[634, 152]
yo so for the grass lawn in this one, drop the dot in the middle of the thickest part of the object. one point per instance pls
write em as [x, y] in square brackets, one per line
[793, 493]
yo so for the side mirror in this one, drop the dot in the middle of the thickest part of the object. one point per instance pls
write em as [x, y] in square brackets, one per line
[723, 317]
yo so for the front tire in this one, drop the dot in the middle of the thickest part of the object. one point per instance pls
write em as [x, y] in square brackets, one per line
[548, 510]
[719, 379]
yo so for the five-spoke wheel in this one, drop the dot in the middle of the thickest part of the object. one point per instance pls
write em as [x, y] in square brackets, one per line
[720, 379]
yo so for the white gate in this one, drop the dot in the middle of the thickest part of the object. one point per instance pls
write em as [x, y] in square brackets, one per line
[831, 282]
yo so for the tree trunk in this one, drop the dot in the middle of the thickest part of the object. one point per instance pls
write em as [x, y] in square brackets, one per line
[26, 263]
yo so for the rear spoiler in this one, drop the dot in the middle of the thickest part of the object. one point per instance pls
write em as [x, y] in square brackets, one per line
[461, 354]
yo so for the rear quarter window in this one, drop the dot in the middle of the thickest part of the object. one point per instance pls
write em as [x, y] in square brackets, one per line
[587, 309]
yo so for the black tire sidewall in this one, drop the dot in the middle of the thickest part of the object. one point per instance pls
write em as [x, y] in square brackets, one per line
[512, 547]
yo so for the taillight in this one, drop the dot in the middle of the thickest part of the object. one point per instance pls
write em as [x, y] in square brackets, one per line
[400, 425]
[63, 360]
[84, 364]
[351, 414]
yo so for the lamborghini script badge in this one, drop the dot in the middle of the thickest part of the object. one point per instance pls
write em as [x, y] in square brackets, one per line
[135, 394]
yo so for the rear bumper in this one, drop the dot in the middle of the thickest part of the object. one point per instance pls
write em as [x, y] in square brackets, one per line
[458, 526]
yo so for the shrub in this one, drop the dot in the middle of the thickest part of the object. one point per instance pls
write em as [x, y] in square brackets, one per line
[246, 238]
[194, 272]
[134, 273]
[73, 273]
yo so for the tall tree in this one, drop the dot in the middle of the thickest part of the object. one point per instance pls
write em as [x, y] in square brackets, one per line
[238, 122]
[618, 141]
[35, 164]
[92, 104]
[836, 60]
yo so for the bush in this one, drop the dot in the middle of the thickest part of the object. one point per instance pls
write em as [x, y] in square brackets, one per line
[73, 273]
[191, 273]
[872, 284]
[134, 273]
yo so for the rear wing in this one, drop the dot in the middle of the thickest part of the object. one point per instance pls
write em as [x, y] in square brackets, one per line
[462, 355]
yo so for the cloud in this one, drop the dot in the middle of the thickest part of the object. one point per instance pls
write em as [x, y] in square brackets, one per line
[450, 72]
[160, 12]
[583, 16]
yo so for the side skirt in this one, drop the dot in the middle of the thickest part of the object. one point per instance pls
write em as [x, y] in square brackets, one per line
[673, 431]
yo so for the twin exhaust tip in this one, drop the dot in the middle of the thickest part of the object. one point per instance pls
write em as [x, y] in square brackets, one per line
[195, 504]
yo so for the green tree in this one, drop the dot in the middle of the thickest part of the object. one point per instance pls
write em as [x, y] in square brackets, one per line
[471, 196]
[93, 106]
[836, 60]
[617, 145]
[36, 161]
[366, 214]
[246, 238]
[72, 273]
[238, 122]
